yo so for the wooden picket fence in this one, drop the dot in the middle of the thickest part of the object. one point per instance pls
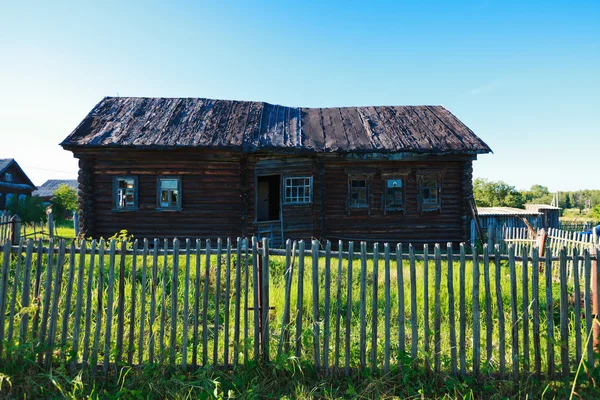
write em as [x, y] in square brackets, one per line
[98, 306]
[556, 239]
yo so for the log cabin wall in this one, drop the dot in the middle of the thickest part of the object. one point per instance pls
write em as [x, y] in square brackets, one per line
[449, 223]
[211, 195]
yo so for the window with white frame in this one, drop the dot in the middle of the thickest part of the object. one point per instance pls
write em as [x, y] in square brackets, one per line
[430, 193]
[298, 190]
[394, 194]
[169, 193]
[125, 192]
[8, 177]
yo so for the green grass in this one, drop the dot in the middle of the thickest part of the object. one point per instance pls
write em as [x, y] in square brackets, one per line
[288, 376]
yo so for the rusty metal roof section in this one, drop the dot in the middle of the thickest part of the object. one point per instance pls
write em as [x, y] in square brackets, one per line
[138, 122]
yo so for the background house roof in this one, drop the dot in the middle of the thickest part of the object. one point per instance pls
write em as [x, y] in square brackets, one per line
[48, 188]
[138, 122]
[5, 163]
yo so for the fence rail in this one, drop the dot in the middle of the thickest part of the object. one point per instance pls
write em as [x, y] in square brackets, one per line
[102, 305]
[555, 239]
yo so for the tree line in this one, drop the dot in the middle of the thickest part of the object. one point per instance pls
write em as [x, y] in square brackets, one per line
[500, 194]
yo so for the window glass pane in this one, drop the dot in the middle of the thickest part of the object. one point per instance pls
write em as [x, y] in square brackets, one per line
[168, 183]
[297, 190]
[394, 183]
[125, 196]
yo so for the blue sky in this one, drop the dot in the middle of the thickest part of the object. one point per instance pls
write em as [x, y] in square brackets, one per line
[524, 75]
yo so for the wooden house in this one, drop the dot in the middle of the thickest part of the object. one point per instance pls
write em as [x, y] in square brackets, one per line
[192, 167]
[46, 190]
[14, 182]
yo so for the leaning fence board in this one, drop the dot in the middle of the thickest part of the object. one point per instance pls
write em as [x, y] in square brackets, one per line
[99, 308]
[46, 304]
[67, 311]
[13, 298]
[56, 295]
[88, 303]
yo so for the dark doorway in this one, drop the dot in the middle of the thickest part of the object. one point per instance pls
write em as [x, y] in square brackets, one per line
[268, 198]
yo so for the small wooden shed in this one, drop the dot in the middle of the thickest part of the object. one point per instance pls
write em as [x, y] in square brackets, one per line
[193, 167]
[14, 182]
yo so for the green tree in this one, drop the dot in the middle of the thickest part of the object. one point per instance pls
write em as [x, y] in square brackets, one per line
[64, 202]
[538, 194]
[496, 194]
[596, 212]
[567, 204]
[29, 209]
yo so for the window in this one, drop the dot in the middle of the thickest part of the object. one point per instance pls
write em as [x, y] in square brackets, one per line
[125, 193]
[298, 190]
[359, 192]
[429, 192]
[394, 194]
[8, 177]
[169, 193]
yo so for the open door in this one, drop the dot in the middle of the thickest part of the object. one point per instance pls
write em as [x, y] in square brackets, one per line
[269, 221]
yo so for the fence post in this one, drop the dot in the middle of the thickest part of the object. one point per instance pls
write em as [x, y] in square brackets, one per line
[595, 299]
[50, 222]
[16, 229]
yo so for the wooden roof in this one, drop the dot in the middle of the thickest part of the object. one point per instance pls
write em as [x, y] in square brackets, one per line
[5, 163]
[137, 122]
[47, 189]
[504, 211]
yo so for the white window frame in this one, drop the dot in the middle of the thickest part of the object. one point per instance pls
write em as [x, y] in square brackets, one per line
[426, 205]
[297, 199]
[368, 195]
[159, 191]
[8, 177]
[117, 195]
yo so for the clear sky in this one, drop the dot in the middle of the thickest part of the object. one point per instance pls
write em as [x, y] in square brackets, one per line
[524, 75]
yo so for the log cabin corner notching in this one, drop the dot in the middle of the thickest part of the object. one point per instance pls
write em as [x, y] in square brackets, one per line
[201, 168]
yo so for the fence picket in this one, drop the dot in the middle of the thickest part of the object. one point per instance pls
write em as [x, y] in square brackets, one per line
[488, 305]
[288, 275]
[338, 311]
[143, 302]
[525, 302]
[549, 316]
[13, 298]
[476, 314]
[255, 291]
[109, 306]
[68, 295]
[348, 310]
[401, 306]
[426, 305]
[387, 310]
[88, 303]
[25, 296]
[363, 305]
[564, 309]
[315, 304]
[186, 296]
[238, 288]
[121, 304]
[196, 304]
[54, 314]
[414, 338]
[99, 308]
[163, 309]
[451, 316]
[437, 338]
[174, 304]
[226, 305]
[217, 302]
[535, 305]
[374, 305]
[153, 301]
[577, 305]
[327, 307]
[78, 307]
[36, 289]
[205, 303]
[300, 299]
[133, 300]
[587, 266]
[265, 278]
[514, 313]
[46, 304]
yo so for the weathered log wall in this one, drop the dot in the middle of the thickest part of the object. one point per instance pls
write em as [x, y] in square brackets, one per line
[219, 196]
